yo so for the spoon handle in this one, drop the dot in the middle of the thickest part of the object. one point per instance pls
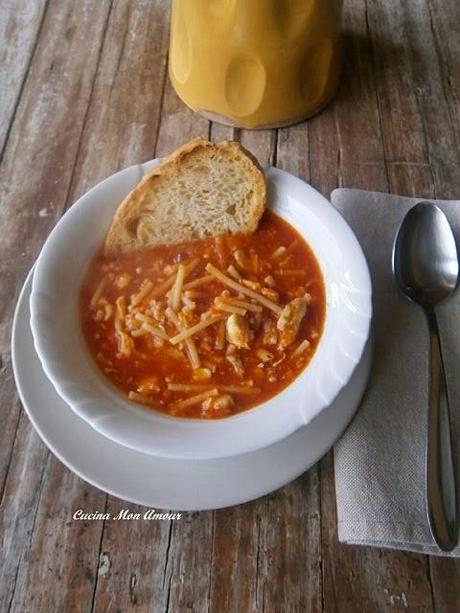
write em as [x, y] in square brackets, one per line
[440, 473]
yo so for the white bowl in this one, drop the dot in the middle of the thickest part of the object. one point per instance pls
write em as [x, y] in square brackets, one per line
[60, 345]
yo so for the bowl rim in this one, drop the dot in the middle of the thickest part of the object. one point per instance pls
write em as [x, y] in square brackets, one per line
[131, 425]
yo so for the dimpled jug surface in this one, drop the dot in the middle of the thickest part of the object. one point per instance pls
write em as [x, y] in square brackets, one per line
[255, 63]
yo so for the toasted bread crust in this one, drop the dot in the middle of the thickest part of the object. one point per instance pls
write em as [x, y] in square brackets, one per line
[173, 202]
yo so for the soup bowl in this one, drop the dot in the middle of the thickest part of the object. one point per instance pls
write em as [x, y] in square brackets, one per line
[59, 342]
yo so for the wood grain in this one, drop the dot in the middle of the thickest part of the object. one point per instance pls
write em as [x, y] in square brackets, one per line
[20, 497]
[83, 92]
[44, 138]
[61, 552]
[123, 117]
[40, 120]
[20, 23]
[42, 144]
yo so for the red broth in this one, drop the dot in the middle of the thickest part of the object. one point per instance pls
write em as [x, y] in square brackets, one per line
[135, 306]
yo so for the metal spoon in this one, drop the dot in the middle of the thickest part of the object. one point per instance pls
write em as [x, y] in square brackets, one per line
[425, 264]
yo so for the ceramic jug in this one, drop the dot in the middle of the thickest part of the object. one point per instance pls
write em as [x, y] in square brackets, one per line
[255, 63]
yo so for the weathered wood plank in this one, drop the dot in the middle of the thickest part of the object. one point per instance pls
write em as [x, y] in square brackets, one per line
[19, 505]
[434, 98]
[257, 545]
[39, 158]
[293, 151]
[178, 123]
[356, 104]
[445, 26]
[132, 68]
[324, 151]
[266, 554]
[235, 559]
[58, 568]
[135, 563]
[154, 566]
[20, 22]
[445, 579]
[10, 412]
[261, 143]
[403, 131]
[290, 540]
[413, 180]
[189, 563]
[60, 77]
[33, 191]
[220, 132]
[124, 113]
[359, 131]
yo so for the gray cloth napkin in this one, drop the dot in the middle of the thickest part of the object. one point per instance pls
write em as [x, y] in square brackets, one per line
[379, 462]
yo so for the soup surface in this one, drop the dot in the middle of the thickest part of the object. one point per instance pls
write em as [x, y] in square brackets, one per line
[209, 328]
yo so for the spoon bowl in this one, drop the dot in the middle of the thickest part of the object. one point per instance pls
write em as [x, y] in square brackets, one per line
[425, 261]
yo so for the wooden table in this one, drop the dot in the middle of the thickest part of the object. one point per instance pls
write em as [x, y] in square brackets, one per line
[84, 91]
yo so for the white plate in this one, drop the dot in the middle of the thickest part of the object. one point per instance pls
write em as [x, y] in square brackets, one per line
[164, 483]
[60, 345]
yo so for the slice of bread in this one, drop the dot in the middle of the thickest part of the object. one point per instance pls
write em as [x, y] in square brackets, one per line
[202, 189]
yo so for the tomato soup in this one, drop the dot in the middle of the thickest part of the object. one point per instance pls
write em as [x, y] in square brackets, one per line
[208, 328]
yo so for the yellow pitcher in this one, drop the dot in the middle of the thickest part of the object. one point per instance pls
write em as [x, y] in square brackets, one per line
[255, 63]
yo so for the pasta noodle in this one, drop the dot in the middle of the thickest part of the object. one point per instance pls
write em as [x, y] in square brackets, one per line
[188, 387]
[100, 289]
[188, 402]
[120, 312]
[142, 317]
[220, 337]
[139, 332]
[177, 288]
[292, 246]
[187, 302]
[228, 307]
[140, 398]
[145, 291]
[282, 263]
[155, 331]
[191, 348]
[193, 293]
[244, 290]
[188, 332]
[198, 387]
[233, 272]
[291, 273]
[278, 252]
[163, 287]
[198, 282]
[239, 389]
[255, 308]
[301, 347]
